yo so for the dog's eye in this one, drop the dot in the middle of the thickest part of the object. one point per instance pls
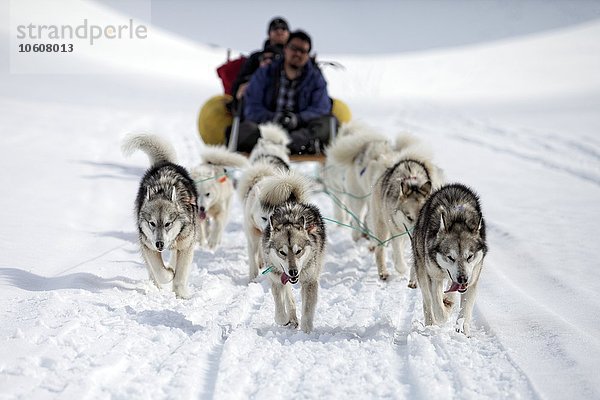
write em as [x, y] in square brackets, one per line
[299, 251]
[283, 253]
[470, 258]
[207, 194]
[451, 258]
[167, 225]
[410, 219]
[152, 224]
[264, 219]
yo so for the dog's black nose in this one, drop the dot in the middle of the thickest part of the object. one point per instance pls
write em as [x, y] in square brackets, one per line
[293, 273]
[462, 279]
[202, 209]
[160, 245]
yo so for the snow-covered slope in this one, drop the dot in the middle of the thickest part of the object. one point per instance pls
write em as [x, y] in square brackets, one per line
[79, 318]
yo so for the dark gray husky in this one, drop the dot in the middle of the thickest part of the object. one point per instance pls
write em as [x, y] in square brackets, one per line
[294, 247]
[449, 247]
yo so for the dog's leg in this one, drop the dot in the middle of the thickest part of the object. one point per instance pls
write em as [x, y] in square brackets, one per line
[281, 317]
[425, 285]
[290, 306]
[355, 206]
[253, 242]
[310, 294]
[182, 272]
[440, 311]
[157, 270]
[381, 232]
[219, 221]
[467, 301]
[398, 255]
[412, 282]
[201, 232]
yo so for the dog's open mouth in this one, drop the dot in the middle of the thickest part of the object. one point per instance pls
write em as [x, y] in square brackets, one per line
[456, 287]
[285, 278]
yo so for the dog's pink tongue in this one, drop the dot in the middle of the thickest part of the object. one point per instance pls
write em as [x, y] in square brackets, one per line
[202, 214]
[454, 287]
[284, 278]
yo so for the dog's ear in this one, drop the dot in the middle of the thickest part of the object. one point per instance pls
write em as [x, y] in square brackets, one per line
[443, 225]
[479, 225]
[404, 188]
[425, 188]
[271, 222]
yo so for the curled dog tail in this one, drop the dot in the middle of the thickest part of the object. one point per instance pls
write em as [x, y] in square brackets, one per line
[156, 148]
[280, 189]
[346, 148]
[252, 176]
[274, 133]
[220, 156]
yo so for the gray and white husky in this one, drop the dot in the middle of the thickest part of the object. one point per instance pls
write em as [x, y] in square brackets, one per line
[262, 188]
[363, 155]
[449, 247]
[166, 212]
[398, 196]
[294, 246]
[271, 148]
[215, 190]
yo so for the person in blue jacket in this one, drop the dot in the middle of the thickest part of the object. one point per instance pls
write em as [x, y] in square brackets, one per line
[293, 93]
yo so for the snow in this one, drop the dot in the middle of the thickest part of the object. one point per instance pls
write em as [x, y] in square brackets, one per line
[516, 118]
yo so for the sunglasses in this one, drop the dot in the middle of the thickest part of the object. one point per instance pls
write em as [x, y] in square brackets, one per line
[298, 49]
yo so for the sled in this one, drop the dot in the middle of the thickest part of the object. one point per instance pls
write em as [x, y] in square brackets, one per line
[215, 115]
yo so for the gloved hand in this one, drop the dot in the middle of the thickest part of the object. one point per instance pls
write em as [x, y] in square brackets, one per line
[288, 120]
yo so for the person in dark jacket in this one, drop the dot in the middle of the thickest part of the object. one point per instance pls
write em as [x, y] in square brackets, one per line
[293, 93]
[279, 33]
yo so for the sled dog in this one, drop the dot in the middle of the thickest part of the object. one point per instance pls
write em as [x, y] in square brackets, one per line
[398, 196]
[449, 247]
[294, 246]
[166, 212]
[271, 148]
[364, 155]
[215, 190]
[333, 174]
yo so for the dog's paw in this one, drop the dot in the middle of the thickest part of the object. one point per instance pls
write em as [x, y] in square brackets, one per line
[463, 327]
[212, 244]
[412, 284]
[384, 276]
[165, 275]
[306, 326]
[293, 324]
[182, 292]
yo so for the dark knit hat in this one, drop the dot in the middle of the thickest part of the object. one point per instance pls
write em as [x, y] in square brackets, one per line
[278, 22]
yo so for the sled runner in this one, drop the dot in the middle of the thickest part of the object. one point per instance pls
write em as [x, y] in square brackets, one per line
[216, 114]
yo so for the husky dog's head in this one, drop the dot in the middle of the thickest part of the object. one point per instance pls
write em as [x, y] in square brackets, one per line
[411, 200]
[209, 181]
[460, 246]
[290, 244]
[160, 221]
[414, 185]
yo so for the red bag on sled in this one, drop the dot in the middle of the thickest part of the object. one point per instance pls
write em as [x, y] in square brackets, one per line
[229, 71]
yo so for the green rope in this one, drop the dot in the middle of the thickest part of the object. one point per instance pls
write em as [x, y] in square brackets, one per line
[361, 226]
